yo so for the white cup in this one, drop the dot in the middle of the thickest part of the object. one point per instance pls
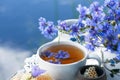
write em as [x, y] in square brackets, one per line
[64, 71]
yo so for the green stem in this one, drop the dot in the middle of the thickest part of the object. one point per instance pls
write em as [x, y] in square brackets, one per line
[59, 37]
[78, 40]
[103, 64]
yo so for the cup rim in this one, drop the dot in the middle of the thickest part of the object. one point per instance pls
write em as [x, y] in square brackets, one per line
[84, 50]
[69, 20]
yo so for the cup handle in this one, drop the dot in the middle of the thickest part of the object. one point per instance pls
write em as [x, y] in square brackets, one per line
[94, 56]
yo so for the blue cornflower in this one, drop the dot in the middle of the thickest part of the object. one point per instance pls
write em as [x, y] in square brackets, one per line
[118, 47]
[117, 13]
[97, 17]
[89, 22]
[110, 34]
[96, 7]
[93, 32]
[92, 41]
[117, 32]
[90, 47]
[119, 4]
[74, 30]
[109, 17]
[83, 11]
[118, 57]
[112, 62]
[47, 54]
[80, 24]
[112, 4]
[62, 55]
[42, 23]
[62, 25]
[114, 41]
[36, 71]
[47, 28]
[105, 30]
[99, 27]
[50, 30]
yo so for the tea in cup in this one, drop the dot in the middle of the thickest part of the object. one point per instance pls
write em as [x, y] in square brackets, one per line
[66, 67]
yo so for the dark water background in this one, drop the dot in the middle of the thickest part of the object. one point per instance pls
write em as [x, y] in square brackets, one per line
[19, 19]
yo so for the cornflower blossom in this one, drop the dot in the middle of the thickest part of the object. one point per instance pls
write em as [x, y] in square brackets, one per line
[36, 71]
[111, 3]
[47, 28]
[62, 25]
[42, 23]
[75, 29]
[47, 54]
[58, 56]
[62, 55]
[95, 7]
[83, 11]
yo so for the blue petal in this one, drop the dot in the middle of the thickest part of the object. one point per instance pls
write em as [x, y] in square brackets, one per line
[118, 57]
[36, 71]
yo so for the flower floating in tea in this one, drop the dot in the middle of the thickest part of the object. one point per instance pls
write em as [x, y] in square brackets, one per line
[47, 54]
[62, 55]
[55, 57]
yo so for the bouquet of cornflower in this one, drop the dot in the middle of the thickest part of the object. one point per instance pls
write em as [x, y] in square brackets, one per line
[101, 23]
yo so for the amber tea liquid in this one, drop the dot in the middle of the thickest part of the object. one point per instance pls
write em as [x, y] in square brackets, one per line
[75, 53]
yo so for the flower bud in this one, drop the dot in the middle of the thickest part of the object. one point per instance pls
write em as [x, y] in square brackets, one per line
[105, 43]
[89, 16]
[118, 36]
[113, 22]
